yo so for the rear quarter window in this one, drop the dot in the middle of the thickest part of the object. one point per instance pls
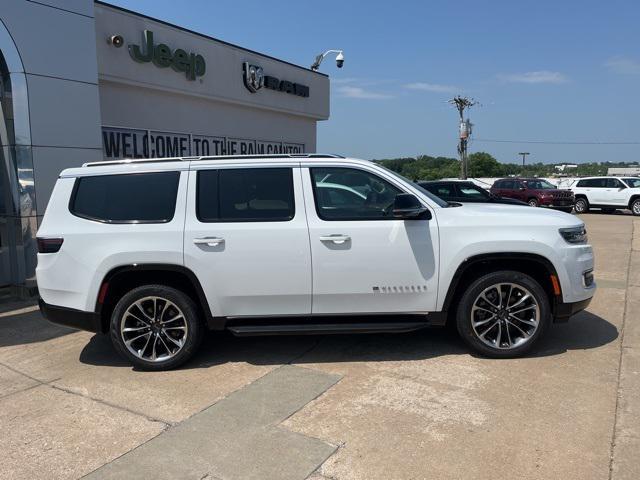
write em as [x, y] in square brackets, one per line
[126, 198]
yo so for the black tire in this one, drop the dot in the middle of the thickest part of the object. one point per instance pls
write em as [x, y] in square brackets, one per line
[472, 294]
[193, 330]
[635, 206]
[566, 210]
[533, 202]
[581, 205]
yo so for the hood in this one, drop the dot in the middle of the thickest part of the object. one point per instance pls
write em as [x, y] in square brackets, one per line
[489, 214]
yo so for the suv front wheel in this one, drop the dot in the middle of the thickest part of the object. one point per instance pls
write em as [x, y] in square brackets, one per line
[581, 205]
[156, 327]
[502, 314]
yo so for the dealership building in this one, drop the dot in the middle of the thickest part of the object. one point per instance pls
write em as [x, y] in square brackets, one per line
[82, 81]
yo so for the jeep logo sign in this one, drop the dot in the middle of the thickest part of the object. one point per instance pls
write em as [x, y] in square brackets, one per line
[191, 64]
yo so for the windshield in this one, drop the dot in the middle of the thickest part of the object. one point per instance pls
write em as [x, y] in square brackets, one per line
[632, 182]
[436, 200]
[473, 192]
[540, 185]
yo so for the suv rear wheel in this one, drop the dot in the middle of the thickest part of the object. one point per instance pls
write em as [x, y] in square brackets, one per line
[156, 327]
[533, 202]
[502, 314]
[581, 205]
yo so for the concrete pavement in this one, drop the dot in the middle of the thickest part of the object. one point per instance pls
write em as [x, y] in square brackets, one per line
[411, 406]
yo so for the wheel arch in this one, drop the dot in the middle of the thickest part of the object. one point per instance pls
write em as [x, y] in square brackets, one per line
[534, 265]
[122, 279]
[633, 199]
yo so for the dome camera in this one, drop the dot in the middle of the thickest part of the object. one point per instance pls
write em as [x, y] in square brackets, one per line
[116, 40]
[339, 59]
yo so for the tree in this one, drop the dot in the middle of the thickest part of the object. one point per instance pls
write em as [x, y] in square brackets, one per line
[482, 164]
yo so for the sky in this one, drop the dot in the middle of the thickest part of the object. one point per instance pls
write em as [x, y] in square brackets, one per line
[562, 71]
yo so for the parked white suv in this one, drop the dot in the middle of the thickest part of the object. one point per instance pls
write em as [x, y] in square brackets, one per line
[156, 251]
[606, 193]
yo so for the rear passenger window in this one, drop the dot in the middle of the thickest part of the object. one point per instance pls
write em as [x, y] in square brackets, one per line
[245, 195]
[613, 183]
[126, 198]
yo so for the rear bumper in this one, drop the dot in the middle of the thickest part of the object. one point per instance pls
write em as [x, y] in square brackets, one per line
[70, 317]
[563, 311]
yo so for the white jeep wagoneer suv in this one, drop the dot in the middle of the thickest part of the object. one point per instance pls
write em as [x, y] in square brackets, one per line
[156, 251]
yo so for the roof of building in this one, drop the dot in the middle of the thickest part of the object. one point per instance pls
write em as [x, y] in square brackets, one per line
[208, 37]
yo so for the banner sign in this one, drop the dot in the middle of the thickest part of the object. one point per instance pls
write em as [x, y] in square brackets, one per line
[120, 143]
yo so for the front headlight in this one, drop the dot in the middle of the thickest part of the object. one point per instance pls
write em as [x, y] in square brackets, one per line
[574, 234]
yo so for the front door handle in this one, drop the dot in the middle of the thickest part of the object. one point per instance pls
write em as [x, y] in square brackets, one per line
[209, 241]
[335, 238]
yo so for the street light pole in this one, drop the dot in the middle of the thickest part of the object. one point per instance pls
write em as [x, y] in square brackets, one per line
[524, 155]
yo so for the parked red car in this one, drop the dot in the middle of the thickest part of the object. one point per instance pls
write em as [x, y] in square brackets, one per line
[535, 191]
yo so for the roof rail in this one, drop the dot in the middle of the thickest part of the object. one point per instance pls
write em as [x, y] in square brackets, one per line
[214, 157]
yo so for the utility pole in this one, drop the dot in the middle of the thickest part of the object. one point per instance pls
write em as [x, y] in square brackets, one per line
[462, 103]
[524, 155]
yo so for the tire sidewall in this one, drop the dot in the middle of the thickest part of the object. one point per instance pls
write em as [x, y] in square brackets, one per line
[584, 203]
[636, 201]
[189, 310]
[463, 317]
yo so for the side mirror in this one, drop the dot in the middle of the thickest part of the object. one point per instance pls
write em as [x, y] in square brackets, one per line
[407, 206]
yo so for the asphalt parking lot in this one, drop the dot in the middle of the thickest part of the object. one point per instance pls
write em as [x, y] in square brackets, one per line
[406, 406]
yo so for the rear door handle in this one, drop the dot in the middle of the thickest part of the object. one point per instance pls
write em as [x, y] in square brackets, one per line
[335, 238]
[209, 241]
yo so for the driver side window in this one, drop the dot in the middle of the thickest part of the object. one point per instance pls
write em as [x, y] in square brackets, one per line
[351, 194]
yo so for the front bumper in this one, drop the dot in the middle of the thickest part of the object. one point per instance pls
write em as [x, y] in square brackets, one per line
[70, 317]
[563, 311]
[557, 202]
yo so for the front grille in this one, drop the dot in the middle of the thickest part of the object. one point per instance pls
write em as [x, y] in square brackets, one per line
[565, 194]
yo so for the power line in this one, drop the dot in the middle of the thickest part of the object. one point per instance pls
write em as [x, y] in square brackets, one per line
[551, 142]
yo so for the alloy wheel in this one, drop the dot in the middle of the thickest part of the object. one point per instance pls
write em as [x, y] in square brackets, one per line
[505, 316]
[154, 329]
[635, 207]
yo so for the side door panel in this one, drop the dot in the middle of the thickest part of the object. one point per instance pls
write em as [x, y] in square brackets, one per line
[250, 268]
[381, 266]
[598, 191]
[619, 192]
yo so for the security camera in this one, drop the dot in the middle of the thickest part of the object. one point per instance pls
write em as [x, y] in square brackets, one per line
[116, 40]
[319, 58]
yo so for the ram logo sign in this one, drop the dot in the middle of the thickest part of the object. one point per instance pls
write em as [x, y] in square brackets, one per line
[254, 79]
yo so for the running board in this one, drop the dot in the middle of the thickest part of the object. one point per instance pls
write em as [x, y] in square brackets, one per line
[325, 328]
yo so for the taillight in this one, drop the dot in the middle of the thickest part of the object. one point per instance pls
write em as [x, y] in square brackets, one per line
[49, 245]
